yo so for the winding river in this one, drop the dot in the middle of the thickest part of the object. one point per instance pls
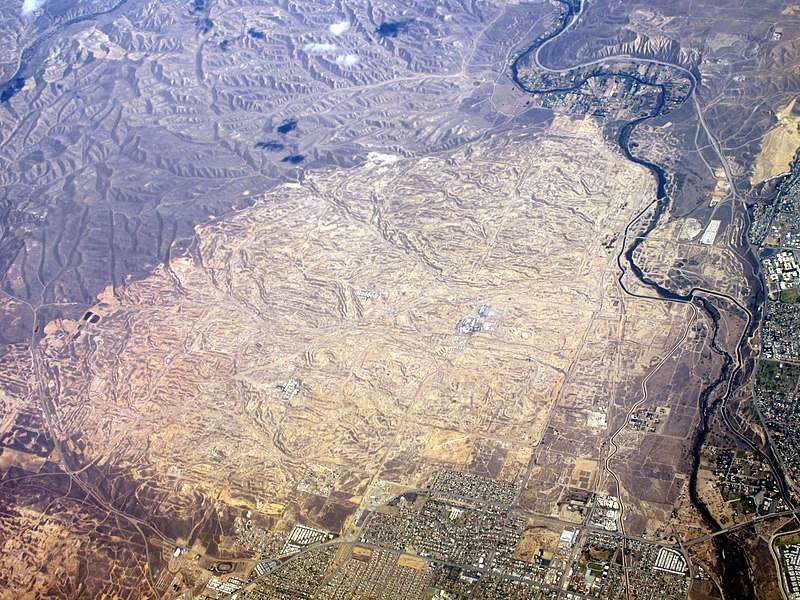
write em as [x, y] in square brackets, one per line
[735, 571]
[736, 579]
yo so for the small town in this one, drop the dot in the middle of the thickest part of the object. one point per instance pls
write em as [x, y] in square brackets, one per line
[458, 538]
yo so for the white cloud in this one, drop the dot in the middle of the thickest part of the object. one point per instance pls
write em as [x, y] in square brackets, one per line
[347, 60]
[31, 6]
[316, 48]
[339, 28]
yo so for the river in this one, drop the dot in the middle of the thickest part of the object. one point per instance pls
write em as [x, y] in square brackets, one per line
[735, 572]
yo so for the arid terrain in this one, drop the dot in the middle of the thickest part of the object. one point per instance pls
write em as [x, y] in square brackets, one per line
[364, 300]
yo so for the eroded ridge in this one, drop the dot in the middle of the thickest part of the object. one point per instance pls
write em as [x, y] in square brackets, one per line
[359, 332]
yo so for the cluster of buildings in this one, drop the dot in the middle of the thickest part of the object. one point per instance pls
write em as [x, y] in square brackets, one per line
[746, 482]
[461, 537]
[486, 318]
[591, 577]
[367, 294]
[647, 419]
[296, 578]
[775, 228]
[256, 539]
[598, 573]
[657, 572]
[465, 529]
[791, 569]
[605, 513]
[711, 232]
[452, 484]
[670, 560]
[378, 574]
[273, 575]
[217, 588]
[289, 389]
[389, 529]
[463, 521]
[456, 533]
[791, 235]
[653, 571]
[319, 480]
[780, 332]
[777, 225]
[780, 413]
[781, 272]
[302, 537]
